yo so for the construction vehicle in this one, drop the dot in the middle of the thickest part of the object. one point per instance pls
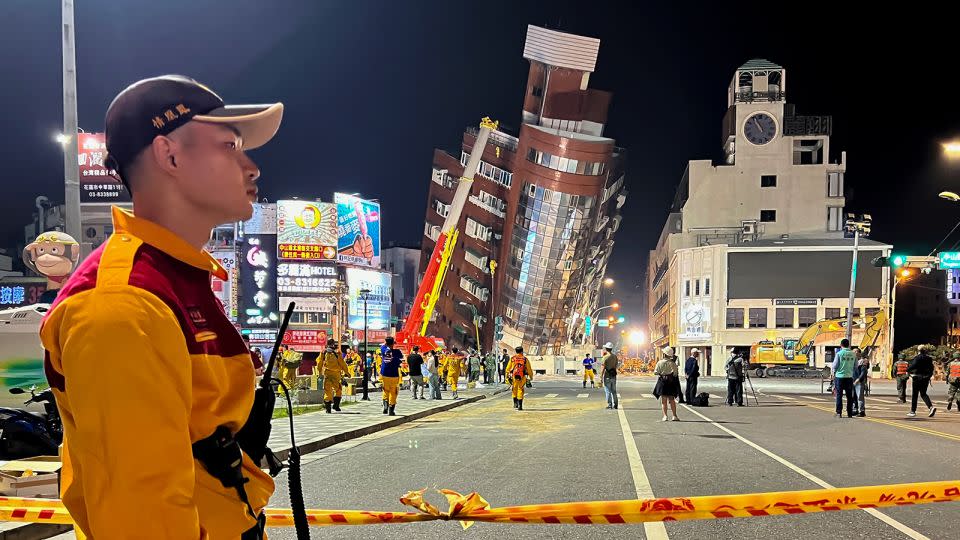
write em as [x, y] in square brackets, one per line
[791, 357]
[415, 328]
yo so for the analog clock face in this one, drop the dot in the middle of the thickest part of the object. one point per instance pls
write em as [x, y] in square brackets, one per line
[760, 128]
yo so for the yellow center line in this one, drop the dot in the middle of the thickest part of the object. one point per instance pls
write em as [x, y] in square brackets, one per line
[928, 431]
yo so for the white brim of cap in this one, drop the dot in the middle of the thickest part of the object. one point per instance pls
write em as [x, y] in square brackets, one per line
[257, 124]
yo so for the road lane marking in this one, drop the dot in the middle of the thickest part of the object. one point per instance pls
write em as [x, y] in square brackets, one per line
[583, 395]
[809, 476]
[646, 395]
[871, 398]
[551, 395]
[928, 431]
[652, 530]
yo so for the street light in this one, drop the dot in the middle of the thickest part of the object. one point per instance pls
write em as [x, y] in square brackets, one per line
[951, 149]
[637, 337]
[364, 295]
[61, 139]
[608, 282]
[950, 196]
[476, 321]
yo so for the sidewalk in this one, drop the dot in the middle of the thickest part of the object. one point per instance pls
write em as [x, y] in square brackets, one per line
[317, 430]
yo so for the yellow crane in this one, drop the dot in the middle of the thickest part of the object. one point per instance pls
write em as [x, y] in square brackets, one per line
[791, 356]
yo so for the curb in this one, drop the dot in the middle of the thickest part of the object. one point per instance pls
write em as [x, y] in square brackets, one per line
[326, 442]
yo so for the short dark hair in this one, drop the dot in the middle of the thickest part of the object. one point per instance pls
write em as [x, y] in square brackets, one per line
[416, 348]
[519, 349]
[844, 342]
[456, 350]
[389, 340]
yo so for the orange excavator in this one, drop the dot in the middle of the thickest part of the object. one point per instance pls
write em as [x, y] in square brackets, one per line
[415, 328]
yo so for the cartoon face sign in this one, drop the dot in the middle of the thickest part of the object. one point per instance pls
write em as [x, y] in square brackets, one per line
[53, 254]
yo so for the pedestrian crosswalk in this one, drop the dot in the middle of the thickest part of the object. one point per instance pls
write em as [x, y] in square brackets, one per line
[583, 395]
[551, 395]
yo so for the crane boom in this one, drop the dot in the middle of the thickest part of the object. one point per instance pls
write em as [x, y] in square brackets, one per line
[415, 326]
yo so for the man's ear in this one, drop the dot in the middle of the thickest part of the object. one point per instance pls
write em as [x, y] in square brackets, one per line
[163, 151]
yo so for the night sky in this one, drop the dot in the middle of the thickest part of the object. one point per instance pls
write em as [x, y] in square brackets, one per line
[371, 87]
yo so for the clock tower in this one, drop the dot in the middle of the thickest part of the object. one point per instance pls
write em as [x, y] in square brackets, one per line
[753, 124]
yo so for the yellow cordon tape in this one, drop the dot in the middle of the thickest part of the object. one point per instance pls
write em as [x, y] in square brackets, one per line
[471, 508]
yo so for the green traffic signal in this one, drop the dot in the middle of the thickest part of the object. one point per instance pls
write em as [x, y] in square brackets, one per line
[621, 319]
[897, 260]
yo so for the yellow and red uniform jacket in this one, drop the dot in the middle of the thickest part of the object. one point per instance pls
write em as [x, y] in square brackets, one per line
[143, 363]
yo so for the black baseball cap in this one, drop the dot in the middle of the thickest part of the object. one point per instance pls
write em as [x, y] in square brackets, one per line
[160, 105]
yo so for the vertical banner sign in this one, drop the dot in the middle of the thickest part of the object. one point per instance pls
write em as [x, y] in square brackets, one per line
[97, 183]
[259, 307]
[227, 291]
[358, 230]
[306, 230]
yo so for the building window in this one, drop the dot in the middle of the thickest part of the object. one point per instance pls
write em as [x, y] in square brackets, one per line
[537, 91]
[573, 166]
[768, 180]
[768, 216]
[706, 287]
[835, 184]
[734, 317]
[872, 311]
[808, 151]
[696, 287]
[686, 288]
[831, 313]
[784, 318]
[442, 209]
[758, 317]
[476, 230]
[807, 316]
[856, 312]
[834, 220]
[475, 259]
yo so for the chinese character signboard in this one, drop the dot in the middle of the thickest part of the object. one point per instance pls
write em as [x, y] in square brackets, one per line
[309, 277]
[258, 307]
[306, 230]
[949, 260]
[306, 340]
[227, 291]
[358, 230]
[378, 300]
[17, 293]
[98, 184]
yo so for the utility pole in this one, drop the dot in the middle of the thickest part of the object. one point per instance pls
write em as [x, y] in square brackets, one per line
[858, 227]
[71, 168]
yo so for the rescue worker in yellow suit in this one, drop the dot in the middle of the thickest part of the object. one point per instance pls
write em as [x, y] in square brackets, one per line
[332, 368]
[289, 363]
[454, 367]
[520, 372]
[353, 362]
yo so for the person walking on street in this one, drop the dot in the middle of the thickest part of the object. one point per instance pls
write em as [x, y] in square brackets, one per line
[668, 384]
[415, 365]
[454, 367]
[692, 370]
[332, 368]
[734, 370]
[588, 368]
[860, 374]
[520, 371]
[138, 435]
[390, 376]
[433, 368]
[899, 372]
[502, 367]
[953, 382]
[921, 368]
[843, 365]
[475, 366]
[611, 365]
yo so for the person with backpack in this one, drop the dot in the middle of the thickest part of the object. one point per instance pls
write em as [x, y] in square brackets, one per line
[454, 366]
[860, 374]
[692, 370]
[611, 364]
[953, 382]
[668, 383]
[734, 369]
[519, 371]
[415, 365]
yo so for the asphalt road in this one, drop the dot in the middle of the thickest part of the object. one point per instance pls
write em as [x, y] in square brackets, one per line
[569, 448]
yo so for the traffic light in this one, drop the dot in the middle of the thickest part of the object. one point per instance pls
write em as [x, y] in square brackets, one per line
[893, 261]
[621, 319]
[498, 328]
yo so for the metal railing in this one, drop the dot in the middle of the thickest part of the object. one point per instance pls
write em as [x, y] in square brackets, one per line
[760, 96]
[497, 139]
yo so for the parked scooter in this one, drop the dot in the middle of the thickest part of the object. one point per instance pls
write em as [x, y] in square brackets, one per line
[26, 434]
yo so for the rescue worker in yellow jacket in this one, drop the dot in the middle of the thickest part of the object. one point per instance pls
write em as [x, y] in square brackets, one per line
[520, 372]
[332, 368]
[146, 368]
[289, 364]
[353, 362]
[953, 382]
[390, 376]
[454, 366]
